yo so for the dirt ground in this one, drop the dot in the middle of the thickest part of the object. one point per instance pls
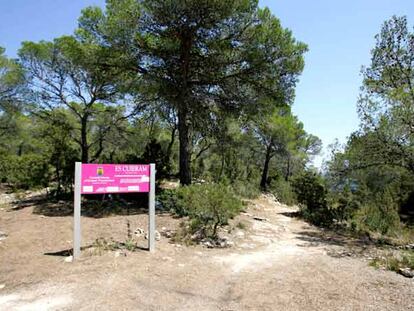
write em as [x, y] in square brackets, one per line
[276, 263]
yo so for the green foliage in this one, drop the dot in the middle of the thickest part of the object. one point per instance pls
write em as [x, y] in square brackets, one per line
[168, 201]
[199, 58]
[241, 225]
[312, 193]
[155, 154]
[208, 206]
[245, 189]
[26, 171]
[371, 178]
[386, 101]
[283, 191]
[392, 261]
[344, 205]
[380, 215]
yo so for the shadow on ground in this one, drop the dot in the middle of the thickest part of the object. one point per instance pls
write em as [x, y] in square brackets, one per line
[115, 246]
[95, 207]
[347, 244]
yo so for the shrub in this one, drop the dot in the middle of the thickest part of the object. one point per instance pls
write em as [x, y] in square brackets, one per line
[246, 189]
[209, 206]
[167, 201]
[344, 204]
[26, 171]
[311, 192]
[380, 215]
[283, 191]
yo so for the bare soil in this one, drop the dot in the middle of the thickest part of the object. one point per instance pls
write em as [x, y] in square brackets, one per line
[276, 263]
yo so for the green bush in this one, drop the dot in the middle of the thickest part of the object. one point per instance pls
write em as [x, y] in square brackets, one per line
[246, 189]
[344, 204]
[208, 206]
[311, 192]
[380, 215]
[168, 201]
[24, 172]
[283, 191]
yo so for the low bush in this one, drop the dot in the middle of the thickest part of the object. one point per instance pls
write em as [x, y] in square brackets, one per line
[208, 206]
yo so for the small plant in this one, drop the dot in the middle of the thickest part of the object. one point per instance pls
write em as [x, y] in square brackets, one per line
[101, 245]
[394, 261]
[130, 244]
[241, 225]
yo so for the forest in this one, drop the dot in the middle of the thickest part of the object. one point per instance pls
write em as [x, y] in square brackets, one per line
[204, 89]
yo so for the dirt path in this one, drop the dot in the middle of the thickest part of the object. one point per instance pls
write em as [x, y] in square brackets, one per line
[276, 263]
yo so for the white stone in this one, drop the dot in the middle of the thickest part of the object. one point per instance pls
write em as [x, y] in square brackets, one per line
[69, 259]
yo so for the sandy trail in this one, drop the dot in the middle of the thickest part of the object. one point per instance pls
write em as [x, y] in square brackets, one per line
[277, 263]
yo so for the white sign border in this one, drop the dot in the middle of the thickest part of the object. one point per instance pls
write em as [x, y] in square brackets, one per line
[77, 211]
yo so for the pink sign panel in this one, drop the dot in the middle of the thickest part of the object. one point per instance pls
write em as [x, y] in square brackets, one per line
[115, 178]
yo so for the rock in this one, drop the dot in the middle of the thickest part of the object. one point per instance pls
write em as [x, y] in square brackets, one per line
[2, 286]
[208, 243]
[120, 253]
[239, 234]
[181, 265]
[139, 232]
[166, 258]
[167, 233]
[157, 236]
[270, 196]
[69, 259]
[220, 243]
[409, 246]
[3, 235]
[196, 236]
[407, 272]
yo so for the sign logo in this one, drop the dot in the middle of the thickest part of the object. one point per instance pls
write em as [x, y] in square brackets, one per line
[99, 171]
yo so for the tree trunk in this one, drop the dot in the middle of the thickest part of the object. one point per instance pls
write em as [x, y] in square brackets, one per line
[287, 169]
[185, 152]
[263, 182]
[84, 140]
[170, 145]
[58, 177]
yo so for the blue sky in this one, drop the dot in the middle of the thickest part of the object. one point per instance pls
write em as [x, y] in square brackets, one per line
[340, 35]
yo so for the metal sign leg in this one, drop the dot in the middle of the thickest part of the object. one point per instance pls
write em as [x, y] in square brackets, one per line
[77, 212]
[151, 210]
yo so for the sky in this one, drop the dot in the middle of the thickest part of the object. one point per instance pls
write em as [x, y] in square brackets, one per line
[339, 34]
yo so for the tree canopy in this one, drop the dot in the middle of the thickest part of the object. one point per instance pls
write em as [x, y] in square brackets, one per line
[199, 58]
